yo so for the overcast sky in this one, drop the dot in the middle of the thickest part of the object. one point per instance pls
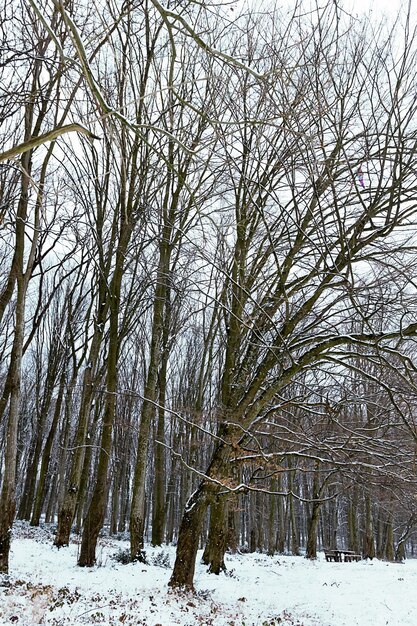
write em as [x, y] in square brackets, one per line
[379, 6]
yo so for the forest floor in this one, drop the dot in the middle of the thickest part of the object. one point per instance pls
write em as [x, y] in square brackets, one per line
[45, 586]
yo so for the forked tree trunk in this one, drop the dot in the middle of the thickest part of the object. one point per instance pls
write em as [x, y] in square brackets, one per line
[94, 520]
[192, 520]
[188, 538]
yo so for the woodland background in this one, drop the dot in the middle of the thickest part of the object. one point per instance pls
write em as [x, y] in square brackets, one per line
[207, 277]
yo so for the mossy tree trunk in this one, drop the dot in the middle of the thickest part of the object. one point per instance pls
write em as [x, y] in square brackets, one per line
[216, 545]
[192, 519]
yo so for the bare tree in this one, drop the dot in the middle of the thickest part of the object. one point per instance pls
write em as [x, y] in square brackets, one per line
[323, 180]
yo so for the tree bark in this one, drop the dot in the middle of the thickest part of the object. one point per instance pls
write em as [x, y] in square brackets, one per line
[216, 545]
[8, 503]
[353, 541]
[281, 518]
[137, 511]
[70, 501]
[96, 512]
[368, 537]
[188, 538]
[158, 508]
[8, 492]
[389, 552]
[29, 493]
[192, 520]
[311, 548]
[40, 491]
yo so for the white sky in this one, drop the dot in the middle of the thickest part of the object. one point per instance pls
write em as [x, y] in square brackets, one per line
[377, 6]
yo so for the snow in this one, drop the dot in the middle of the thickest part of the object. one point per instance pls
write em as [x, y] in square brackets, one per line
[45, 586]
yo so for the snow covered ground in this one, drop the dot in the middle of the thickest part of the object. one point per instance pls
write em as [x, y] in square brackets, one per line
[46, 587]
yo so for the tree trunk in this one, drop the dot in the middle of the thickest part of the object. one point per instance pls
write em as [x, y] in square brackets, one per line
[368, 538]
[52, 500]
[86, 470]
[380, 539]
[281, 518]
[70, 500]
[8, 503]
[353, 541]
[158, 509]
[96, 512]
[216, 545]
[400, 551]
[188, 538]
[295, 546]
[64, 436]
[137, 511]
[40, 492]
[29, 494]
[192, 520]
[170, 504]
[124, 496]
[389, 539]
[272, 535]
[232, 531]
[311, 548]
[115, 500]
[8, 492]
[94, 520]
